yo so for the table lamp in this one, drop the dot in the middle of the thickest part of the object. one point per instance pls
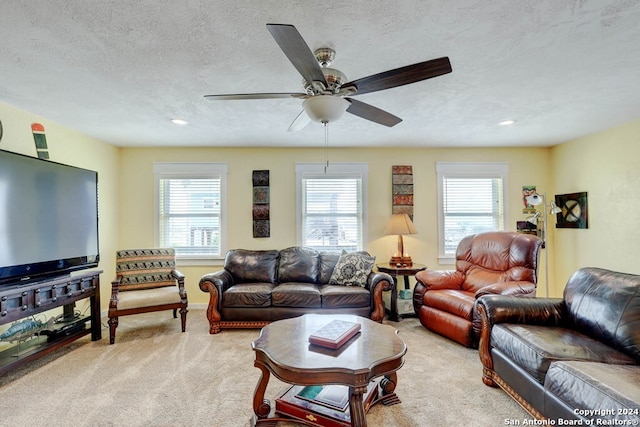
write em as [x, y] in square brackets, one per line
[400, 224]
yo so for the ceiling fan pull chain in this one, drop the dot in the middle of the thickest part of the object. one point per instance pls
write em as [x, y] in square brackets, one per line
[326, 146]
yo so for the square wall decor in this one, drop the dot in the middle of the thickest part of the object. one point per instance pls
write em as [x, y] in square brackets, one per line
[574, 212]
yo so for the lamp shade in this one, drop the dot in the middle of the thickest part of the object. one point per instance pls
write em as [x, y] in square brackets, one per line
[325, 108]
[534, 218]
[400, 224]
[534, 199]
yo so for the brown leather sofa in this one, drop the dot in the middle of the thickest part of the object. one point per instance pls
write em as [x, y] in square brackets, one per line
[487, 263]
[258, 287]
[574, 359]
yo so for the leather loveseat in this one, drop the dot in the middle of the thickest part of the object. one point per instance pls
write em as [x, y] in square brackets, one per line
[260, 286]
[574, 360]
[497, 262]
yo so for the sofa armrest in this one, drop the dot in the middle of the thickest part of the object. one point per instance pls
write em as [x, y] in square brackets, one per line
[434, 279]
[495, 309]
[377, 283]
[379, 279]
[440, 279]
[512, 309]
[222, 280]
[516, 288]
[215, 284]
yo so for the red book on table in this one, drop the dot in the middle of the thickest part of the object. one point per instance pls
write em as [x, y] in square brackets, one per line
[334, 334]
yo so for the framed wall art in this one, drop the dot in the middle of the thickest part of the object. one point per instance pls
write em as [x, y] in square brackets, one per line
[575, 213]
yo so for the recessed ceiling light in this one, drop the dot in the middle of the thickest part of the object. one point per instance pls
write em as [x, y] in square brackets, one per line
[506, 123]
[179, 122]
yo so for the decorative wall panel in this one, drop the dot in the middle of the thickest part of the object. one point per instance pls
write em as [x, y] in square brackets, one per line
[261, 219]
[402, 190]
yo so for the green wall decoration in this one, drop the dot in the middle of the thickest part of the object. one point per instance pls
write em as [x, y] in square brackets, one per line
[41, 141]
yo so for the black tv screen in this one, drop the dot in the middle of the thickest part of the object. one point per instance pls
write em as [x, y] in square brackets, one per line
[48, 218]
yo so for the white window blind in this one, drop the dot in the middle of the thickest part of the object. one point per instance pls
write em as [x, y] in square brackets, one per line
[331, 216]
[190, 207]
[471, 200]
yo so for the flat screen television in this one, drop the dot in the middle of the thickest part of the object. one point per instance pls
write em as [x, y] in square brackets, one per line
[48, 218]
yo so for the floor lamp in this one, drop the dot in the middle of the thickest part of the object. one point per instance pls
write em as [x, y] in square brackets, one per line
[535, 200]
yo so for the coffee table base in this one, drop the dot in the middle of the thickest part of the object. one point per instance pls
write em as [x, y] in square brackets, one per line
[361, 402]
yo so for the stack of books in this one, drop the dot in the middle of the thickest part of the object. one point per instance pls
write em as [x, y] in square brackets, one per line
[326, 406]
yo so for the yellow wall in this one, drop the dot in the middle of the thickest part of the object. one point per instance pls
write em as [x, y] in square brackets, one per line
[527, 167]
[605, 165]
[73, 148]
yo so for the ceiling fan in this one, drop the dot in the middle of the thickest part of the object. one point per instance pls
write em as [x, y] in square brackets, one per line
[327, 94]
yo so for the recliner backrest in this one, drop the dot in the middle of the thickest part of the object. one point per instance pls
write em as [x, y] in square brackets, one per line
[501, 256]
[605, 305]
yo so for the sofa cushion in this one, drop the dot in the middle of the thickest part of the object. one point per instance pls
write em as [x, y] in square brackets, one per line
[298, 264]
[452, 301]
[327, 263]
[352, 269]
[248, 295]
[296, 294]
[535, 347]
[252, 266]
[589, 385]
[338, 296]
[606, 305]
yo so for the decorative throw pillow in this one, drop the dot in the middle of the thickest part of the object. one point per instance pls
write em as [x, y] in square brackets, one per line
[352, 269]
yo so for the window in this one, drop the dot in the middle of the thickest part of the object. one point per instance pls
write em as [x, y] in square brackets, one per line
[471, 199]
[330, 216]
[190, 208]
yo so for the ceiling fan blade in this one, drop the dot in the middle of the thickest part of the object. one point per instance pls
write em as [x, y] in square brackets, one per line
[298, 52]
[372, 113]
[235, 96]
[300, 122]
[402, 76]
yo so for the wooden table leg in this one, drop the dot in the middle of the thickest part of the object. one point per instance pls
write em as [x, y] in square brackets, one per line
[388, 386]
[356, 406]
[394, 316]
[261, 406]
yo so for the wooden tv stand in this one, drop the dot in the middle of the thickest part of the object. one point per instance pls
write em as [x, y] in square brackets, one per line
[22, 300]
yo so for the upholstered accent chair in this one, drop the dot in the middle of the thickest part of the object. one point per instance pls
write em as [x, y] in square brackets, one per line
[487, 263]
[146, 281]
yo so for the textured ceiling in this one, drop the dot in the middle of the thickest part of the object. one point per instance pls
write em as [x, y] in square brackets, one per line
[120, 70]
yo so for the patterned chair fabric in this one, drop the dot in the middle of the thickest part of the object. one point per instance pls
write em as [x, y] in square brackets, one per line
[145, 268]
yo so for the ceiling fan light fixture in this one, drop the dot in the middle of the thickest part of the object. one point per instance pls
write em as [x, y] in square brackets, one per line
[325, 108]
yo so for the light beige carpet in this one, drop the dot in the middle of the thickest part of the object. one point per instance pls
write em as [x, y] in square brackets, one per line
[156, 376]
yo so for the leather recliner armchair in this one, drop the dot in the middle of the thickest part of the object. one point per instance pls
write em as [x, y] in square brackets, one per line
[500, 262]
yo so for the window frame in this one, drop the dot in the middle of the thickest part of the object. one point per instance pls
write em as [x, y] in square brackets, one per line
[471, 170]
[164, 170]
[335, 170]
